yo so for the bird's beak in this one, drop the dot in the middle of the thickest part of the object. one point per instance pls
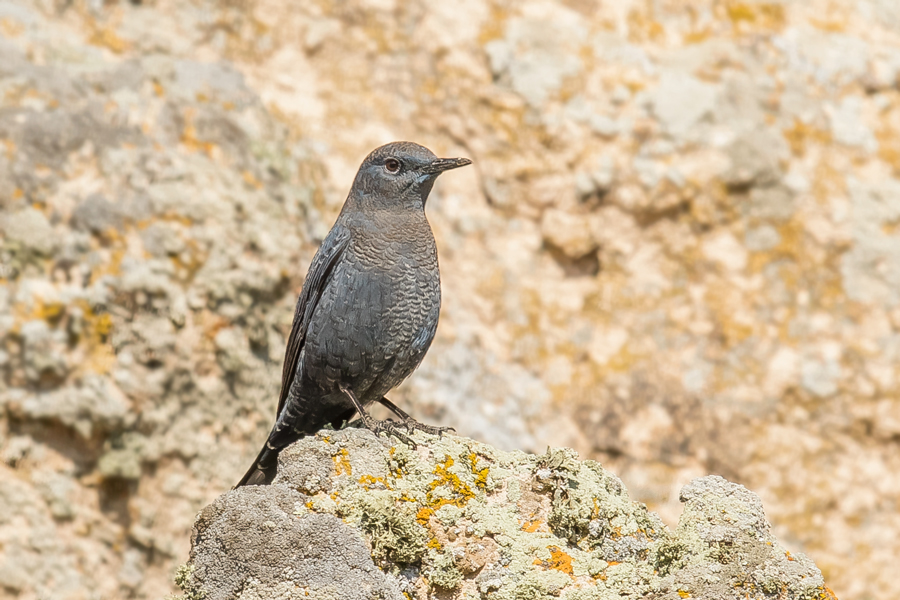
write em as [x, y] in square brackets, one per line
[439, 165]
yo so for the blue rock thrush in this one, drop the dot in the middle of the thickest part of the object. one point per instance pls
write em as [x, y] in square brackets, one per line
[369, 306]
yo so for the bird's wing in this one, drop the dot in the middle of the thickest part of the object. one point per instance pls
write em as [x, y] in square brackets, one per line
[316, 279]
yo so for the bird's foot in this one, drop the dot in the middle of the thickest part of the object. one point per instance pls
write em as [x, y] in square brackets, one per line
[413, 425]
[389, 427]
[410, 423]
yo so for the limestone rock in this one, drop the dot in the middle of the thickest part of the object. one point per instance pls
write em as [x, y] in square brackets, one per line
[141, 197]
[176, 164]
[570, 233]
[681, 101]
[353, 516]
[30, 228]
[253, 546]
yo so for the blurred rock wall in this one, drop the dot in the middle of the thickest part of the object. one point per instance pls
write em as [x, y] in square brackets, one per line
[678, 252]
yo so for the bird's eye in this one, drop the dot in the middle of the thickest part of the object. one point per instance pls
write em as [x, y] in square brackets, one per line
[392, 165]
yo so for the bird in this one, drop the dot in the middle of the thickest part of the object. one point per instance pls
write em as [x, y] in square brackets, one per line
[368, 309]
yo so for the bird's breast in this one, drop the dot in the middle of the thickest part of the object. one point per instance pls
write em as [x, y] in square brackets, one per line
[377, 314]
[390, 245]
[387, 284]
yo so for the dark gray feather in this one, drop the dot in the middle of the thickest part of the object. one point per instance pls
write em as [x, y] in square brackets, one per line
[369, 306]
[316, 279]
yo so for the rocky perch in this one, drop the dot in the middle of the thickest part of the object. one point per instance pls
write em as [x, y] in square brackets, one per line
[352, 516]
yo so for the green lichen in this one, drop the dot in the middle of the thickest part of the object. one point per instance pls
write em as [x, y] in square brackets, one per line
[184, 581]
[670, 557]
[442, 571]
[540, 585]
[122, 456]
[392, 529]
[588, 505]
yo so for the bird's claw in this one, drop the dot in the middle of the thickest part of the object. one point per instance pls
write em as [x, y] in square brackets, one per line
[413, 425]
[389, 427]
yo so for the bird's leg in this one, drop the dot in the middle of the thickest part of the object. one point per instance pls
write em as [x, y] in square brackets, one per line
[374, 425]
[411, 423]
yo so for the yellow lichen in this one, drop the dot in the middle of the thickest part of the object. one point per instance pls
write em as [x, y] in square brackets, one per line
[559, 561]
[826, 593]
[424, 515]
[105, 37]
[97, 328]
[832, 25]
[342, 464]
[445, 477]
[697, 36]
[462, 493]
[532, 526]
[251, 180]
[800, 135]
[11, 28]
[370, 481]
[481, 475]
[494, 27]
[763, 16]
[888, 136]
[642, 27]
[189, 136]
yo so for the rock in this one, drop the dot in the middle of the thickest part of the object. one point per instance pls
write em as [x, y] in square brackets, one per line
[568, 232]
[536, 54]
[727, 251]
[43, 359]
[129, 186]
[754, 160]
[761, 238]
[740, 315]
[729, 550]
[681, 102]
[453, 516]
[30, 228]
[848, 127]
[96, 214]
[268, 551]
[870, 270]
[836, 57]
[605, 126]
[93, 404]
[775, 204]
[162, 239]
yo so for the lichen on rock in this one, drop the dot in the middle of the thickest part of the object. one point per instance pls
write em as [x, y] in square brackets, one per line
[679, 253]
[351, 515]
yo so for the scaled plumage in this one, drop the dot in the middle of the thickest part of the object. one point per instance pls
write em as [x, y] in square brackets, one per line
[369, 306]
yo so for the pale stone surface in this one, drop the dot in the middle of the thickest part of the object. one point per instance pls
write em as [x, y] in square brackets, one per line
[179, 162]
[354, 516]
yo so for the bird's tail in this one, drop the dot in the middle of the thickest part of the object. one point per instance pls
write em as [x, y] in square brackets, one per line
[263, 470]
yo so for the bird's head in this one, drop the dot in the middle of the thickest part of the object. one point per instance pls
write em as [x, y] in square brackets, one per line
[401, 172]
